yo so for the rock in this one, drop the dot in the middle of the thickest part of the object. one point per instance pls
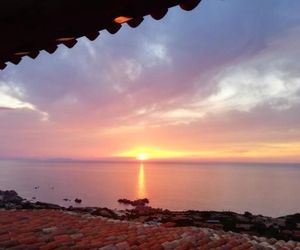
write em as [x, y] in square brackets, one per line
[44, 205]
[124, 201]
[9, 197]
[183, 221]
[37, 205]
[78, 200]
[134, 203]
[105, 212]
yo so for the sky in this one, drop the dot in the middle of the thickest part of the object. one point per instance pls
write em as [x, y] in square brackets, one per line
[221, 82]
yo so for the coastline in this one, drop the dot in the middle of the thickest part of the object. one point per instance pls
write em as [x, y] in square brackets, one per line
[282, 228]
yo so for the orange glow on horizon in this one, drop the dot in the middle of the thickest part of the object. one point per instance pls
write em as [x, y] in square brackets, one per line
[235, 152]
[149, 153]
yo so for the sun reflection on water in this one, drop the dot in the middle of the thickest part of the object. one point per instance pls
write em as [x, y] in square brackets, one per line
[141, 193]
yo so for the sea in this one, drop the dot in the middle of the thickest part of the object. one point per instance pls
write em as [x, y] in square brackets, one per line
[260, 188]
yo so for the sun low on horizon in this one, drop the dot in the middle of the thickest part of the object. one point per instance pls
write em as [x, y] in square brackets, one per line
[159, 92]
[142, 156]
[238, 153]
[147, 153]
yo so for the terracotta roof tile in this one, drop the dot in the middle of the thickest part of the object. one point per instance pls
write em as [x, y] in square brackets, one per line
[49, 229]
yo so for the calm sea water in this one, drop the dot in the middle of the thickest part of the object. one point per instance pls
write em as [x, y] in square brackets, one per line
[268, 189]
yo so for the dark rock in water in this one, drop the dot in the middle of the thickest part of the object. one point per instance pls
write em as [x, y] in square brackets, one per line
[37, 187]
[124, 201]
[44, 205]
[135, 203]
[81, 209]
[9, 196]
[78, 200]
[40, 205]
[11, 200]
[66, 199]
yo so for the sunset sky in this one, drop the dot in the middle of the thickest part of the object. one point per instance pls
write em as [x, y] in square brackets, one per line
[221, 82]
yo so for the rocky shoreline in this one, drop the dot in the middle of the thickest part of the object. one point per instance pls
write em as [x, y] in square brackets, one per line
[281, 228]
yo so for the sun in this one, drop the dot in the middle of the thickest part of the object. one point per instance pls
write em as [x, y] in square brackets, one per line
[142, 156]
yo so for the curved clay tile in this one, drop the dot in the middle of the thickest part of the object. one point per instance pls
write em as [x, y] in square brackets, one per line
[29, 26]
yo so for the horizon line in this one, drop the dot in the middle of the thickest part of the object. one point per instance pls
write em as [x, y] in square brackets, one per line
[156, 160]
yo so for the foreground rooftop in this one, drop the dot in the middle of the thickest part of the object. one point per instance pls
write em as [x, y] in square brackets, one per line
[30, 26]
[54, 229]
